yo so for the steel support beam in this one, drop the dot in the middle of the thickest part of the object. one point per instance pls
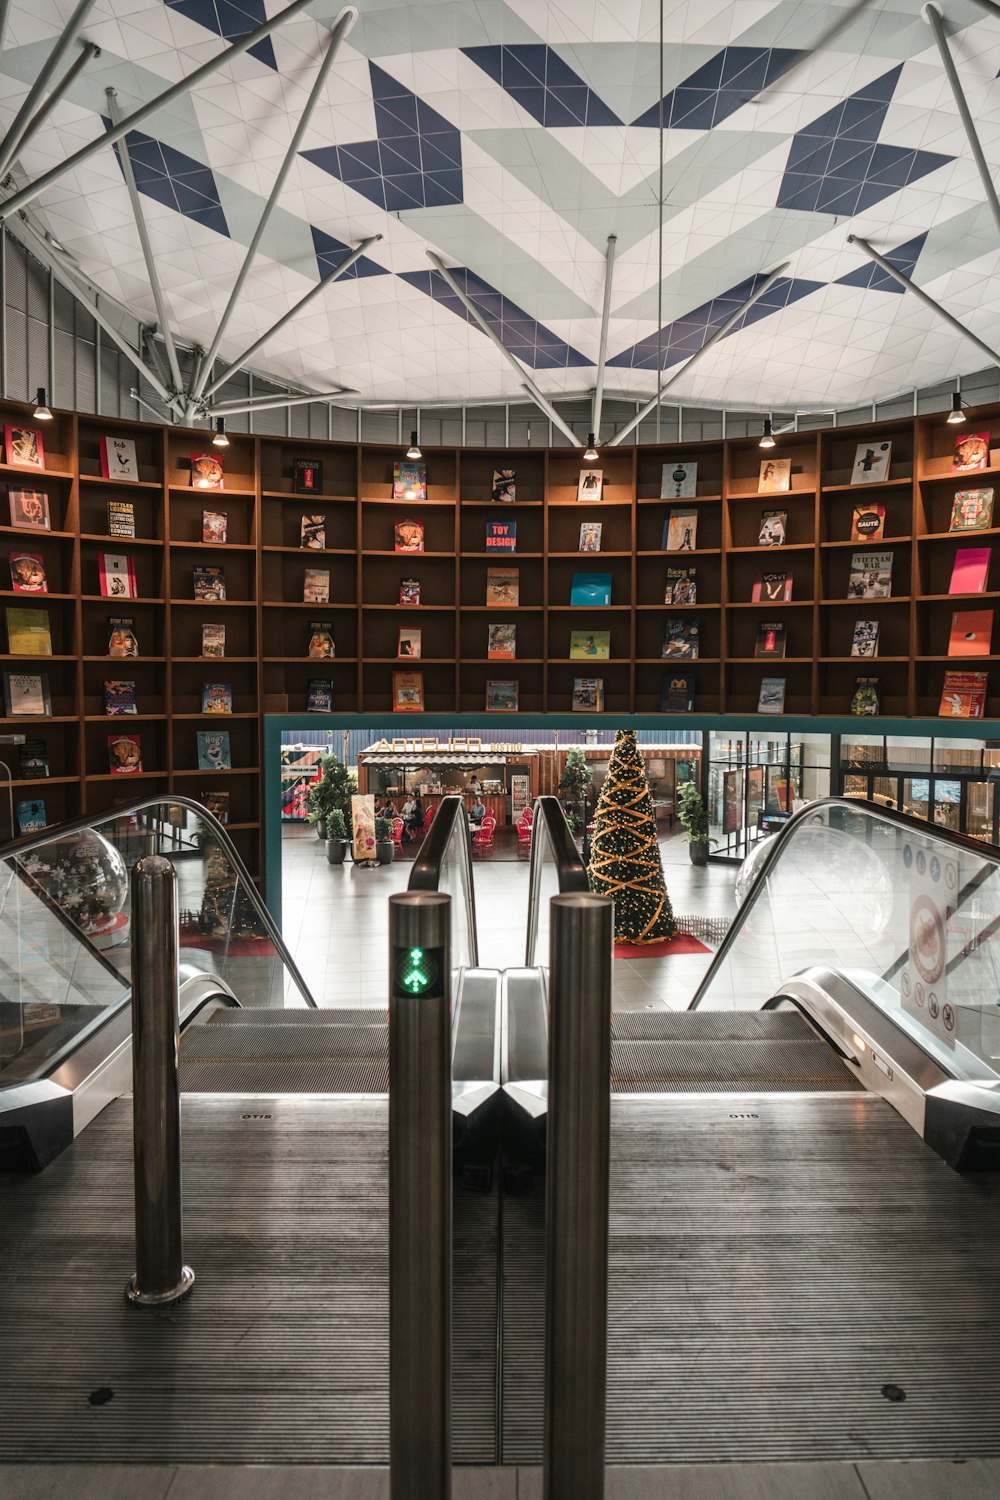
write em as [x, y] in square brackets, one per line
[924, 297]
[935, 21]
[272, 403]
[37, 91]
[720, 332]
[990, 7]
[62, 88]
[602, 352]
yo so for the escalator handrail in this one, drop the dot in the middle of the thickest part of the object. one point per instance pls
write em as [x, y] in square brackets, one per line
[16, 849]
[571, 872]
[450, 822]
[961, 842]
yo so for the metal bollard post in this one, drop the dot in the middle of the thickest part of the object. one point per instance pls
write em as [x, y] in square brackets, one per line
[161, 1275]
[420, 1196]
[576, 1198]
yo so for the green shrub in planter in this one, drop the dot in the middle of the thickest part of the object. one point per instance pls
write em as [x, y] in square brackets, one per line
[336, 837]
[693, 818]
[385, 849]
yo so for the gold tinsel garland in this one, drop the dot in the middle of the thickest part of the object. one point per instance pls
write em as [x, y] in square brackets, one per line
[632, 823]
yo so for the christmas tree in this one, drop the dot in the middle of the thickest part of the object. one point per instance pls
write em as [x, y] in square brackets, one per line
[625, 854]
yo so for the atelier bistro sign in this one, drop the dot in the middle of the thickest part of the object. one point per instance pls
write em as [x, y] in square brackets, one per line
[417, 745]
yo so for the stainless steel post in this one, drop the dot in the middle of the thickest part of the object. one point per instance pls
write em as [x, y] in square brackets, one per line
[576, 1198]
[420, 1196]
[161, 1275]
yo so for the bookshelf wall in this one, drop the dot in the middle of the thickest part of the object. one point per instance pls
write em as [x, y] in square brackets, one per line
[268, 621]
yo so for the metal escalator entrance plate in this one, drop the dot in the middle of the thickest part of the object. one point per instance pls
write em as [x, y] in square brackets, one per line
[300, 1057]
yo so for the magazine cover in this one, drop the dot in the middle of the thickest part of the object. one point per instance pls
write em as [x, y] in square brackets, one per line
[214, 525]
[206, 471]
[972, 451]
[321, 647]
[121, 518]
[963, 695]
[590, 536]
[501, 697]
[409, 641]
[775, 476]
[213, 750]
[772, 695]
[501, 642]
[501, 536]
[32, 760]
[216, 803]
[969, 572]
[312, 534]
[118, 460]
[677, 693]
[584, 644]
[865, 642]
[316, 586]
[216, 697]
[28, 632]
[680, 640]
[26, 694]
[124, 754]
[865, 702]
[408, 536]
[119, 698]
[408, 692]
[771, 587]
[213, 640]
[23, 447]
[681, 586]
[122, 641]
[210, 584]
[590, 485]
[504, 486]
[27, 573]
[871, 575]
[409, 591]
[871, 463]
[679, 481]
[117, 575]
[770, 638]
[868, 523]
[308, 476]
[971, 510]
[680, 531]
[773, 526]
[971, 632]
[590, 589]
[409, 481]
[31, 815]
[588, 695]
[29, 510]
[319, 696]
[503, 587]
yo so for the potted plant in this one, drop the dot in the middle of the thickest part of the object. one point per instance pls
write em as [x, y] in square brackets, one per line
[694, 821]
[336, 837]
[384, 846]
[334, 789]
[575, 784]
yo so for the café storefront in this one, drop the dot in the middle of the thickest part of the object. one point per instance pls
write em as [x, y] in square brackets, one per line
[434, 767]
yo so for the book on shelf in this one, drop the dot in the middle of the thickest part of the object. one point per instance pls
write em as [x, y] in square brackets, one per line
[772, 695]
[588, 695]
[33, 760]
[590, 536]
[119, 698]
[29, 510]
[409, 481]
[501, 536]
[409, 591]
[972, 451]
[118, 461]
[681, 586]
[216, 803]
[214, 752]
[970, 570]
[680, 531]
[122, 641]
[216, 697]
[31, 815]
[677, 693]
[124, 754]
[23, 446]
[590, 485]
[27, 573]
[680, 639]
[501, 697]
[116, 572]
[312, 533]
[771, 588]
[316, 586]
[870, 576]
[210, 584]
[408, 692]
[503, 587]
[213, 640]
[26, 694]
[504, 488]
[408, 535]
[409, 641]
[867, 523]
[871, 463]
[319, 696]
[501, 642]
[773, 528]
[308, 476]
[865, 642]
[207, 472]
[971, 510]
[214, 526]
[775, 476]
[585, 645]
[590, 588]
[28, 632]
[963, 695]
[321, 645]
[679, 481]
[865, 699]
[971, 632]
[121, 518]
[770, 638]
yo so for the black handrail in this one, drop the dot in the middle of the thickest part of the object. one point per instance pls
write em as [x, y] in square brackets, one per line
[450, 822]
[571, 872]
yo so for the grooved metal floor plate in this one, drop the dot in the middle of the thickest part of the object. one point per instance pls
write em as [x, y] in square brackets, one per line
[306, 1052]
[280, 1354]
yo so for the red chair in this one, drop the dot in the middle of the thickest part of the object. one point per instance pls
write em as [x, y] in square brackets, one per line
[421, 832]
[482, 839]
[523, 826]
[397, 832]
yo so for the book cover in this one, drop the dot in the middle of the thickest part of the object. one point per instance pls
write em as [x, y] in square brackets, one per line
[504, 489]
[121, 518]
[770, 638]
[865, 642]
[588, 695]
[26, 694]
[968, 575]
[409, 481]
[409, 641]
[865, 700]
[210, 584]
[501, 536]
[871, 575]
[503, 587]
[773, 528]
[677, 693]
[122, 641]
[409, 591]
[772, 695]
[681, 586]
[118, 461]
[31, 815]
[216, 697]
[27, 573]
[28, 632]
[971, 510]
[590, 485]
[679, 481]
[590, 644]
[319, 696]
[680, 531]
[321, 645]
[316, 586]
[972, 451]
[408, 536]
[119, 698]
[214, 526]
[312, 534]
[963, 695]
[770, 588]
[213, 750]
[213, 640]
[308, 474]
[871, 463]
[971, 632]
[216, 803]
[23, 446]
[775, 477]
[590, 588]
[116, 571]
[501, 697]
[868, 523]
[124, 754]
[501, 642]
[680, 639]
[408, 692]
[29, 510]
[590, 536]
[33, 760]
[206, 471]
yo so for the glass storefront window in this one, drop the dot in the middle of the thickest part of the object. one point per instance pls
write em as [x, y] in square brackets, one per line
[755, 782]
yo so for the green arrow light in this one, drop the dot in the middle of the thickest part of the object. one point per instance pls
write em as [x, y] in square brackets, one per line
[415, 979]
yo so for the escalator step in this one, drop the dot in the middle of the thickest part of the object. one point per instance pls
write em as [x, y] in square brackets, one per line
[258, 1057]
[752, 1065]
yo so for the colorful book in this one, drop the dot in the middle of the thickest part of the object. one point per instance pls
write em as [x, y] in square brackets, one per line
[772, 695]
[119, 698]
[677, 693]
[871, 575]
[867, 523]
[586, 645]
[963, 695]
[122, 641]
[771, 588]
[680, 639]
[865, 699]
[27, 573]
[319, 696]
[116, 571]
[213, 641]
[409, 482]
[33, 760]
[501, 697]
[216, 697]
[409, 591]
[124, 754]
[26, 695]
[971, 632]
[316, 586]
[681, 586]
[773, 527]
[409, 641]
[210, 584]
[213, 750]
[588, 695]
[770, 638]
[501, 642]
[214, 526]
[23, 446]
[871, 465]
[679, 481]
[503, 587]
[206, 471]
[29, 510]
[971, 510]
[408, 692]
[972, 451]
[312, 533]
[504, 489]
[865, 642]
[118, 461]
[680, 531]
[31, 815]
[216, 803]
[308, 476]
[775, 477]
[590, 536]
[590, 485]
[28, 632]
[321, 646]
[501, 536]
[590, 588]
[121, 518]
[408, 536]
[969, 573]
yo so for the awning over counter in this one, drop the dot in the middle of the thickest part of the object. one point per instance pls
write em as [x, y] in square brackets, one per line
[434, 758]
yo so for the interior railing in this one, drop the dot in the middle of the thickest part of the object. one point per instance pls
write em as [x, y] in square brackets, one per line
[444, 863]
[556, 867]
